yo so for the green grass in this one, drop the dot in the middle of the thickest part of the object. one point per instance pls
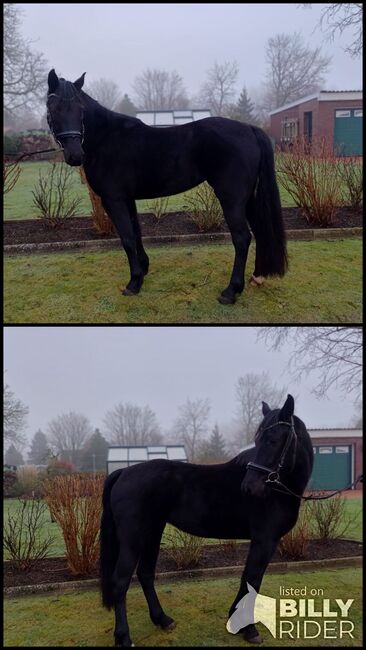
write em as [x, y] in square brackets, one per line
[19, 202]
[198, 606]
[323, 285]
[353, 509]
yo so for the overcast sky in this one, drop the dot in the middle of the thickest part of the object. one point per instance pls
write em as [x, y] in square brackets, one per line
[89, 370]
[120, 41]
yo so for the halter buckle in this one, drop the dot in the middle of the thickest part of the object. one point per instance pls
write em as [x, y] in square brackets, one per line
[272, 477]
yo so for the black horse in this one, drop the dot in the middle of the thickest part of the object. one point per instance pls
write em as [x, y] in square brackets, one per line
[125, 160]
[240, 499]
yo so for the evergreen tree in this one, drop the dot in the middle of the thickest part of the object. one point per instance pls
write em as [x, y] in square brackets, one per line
[213, 450]
[94, 453]
[126, 106]
[13, 456]
[39, 451]
[244, 109]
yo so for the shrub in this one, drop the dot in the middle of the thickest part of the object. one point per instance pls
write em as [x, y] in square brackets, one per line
[11, 143]
[11, 173]
[57, 467]
[351, 180]
[10, 484]
[184, 549]
[204, 208]
[102, 223]
[28, 480]
[294, 544]
[308, 172]
[159, 207]
[78, 517]
[329, 517]
[52, 195]
[23, 533]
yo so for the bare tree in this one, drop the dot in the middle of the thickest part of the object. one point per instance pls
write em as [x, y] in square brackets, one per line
[105, 91]
[251, 390]
[68, 432]
[15, 417]
[159, 90]
[24, 69]
[334, 353]
[192, 424]
[294, 70]
[219, 90]
[128, 424]
[341, 16]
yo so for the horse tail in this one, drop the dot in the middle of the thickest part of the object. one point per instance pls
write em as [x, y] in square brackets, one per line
[108, 543]
[264, 214]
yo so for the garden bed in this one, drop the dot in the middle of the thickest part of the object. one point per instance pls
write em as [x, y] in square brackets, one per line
[32, 231]
[51, 570]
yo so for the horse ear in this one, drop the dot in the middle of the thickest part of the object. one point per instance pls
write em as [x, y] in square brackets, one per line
[265, 408]
[287, 410]
[52, 81]
[79, 82]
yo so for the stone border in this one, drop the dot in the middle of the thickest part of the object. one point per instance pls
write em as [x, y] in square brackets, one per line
[107, 244]
[215, 572]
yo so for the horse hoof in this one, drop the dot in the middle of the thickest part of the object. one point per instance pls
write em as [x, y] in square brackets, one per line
[224, 300]
[256, 281]
[254, 639]
[170, 627]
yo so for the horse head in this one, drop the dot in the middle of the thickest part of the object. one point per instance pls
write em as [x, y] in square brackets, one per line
[275, 445]
[65, 116]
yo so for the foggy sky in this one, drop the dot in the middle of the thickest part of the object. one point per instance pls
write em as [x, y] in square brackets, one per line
[54, 370]
[120, 41]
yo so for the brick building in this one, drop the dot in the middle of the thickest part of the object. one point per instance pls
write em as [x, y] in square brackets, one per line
[335, 115]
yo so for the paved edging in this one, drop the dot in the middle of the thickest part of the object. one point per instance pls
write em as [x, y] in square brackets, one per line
[107, 244]
[215, 572]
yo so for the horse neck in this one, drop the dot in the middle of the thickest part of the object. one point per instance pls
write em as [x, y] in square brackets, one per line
[98, 119]
[298, 477]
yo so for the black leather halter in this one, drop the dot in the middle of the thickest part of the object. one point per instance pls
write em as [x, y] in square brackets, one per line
[274, 474]
[64, 134]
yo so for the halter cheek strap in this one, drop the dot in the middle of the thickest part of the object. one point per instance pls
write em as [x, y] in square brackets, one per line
[274, 474]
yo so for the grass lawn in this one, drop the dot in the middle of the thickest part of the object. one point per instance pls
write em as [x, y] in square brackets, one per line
[353, 510]
[18, 204]
[323, 285]
[198, 606]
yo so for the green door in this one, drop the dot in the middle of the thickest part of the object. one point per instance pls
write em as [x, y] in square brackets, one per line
[348, 132]
[332, 467]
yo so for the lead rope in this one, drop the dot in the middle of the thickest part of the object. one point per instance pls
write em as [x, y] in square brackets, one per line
[312, 496]
[24, 155]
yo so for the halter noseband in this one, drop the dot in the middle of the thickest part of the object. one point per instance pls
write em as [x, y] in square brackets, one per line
[65, 134]
[274, 474]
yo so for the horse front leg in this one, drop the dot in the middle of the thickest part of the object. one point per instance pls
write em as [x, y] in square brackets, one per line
[260, 553]
[118, 212]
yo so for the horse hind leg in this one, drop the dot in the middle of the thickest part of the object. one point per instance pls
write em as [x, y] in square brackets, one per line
[257, 279]
[241, 238]
[125, 566]
[146, 575]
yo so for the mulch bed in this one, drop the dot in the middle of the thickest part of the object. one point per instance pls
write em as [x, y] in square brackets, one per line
[32, 231]
[213, 555]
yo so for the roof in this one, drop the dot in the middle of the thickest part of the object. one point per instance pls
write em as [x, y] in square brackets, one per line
[322, 96]
[140, 453]
[172, 117]
[335, 433]
[325, 433]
